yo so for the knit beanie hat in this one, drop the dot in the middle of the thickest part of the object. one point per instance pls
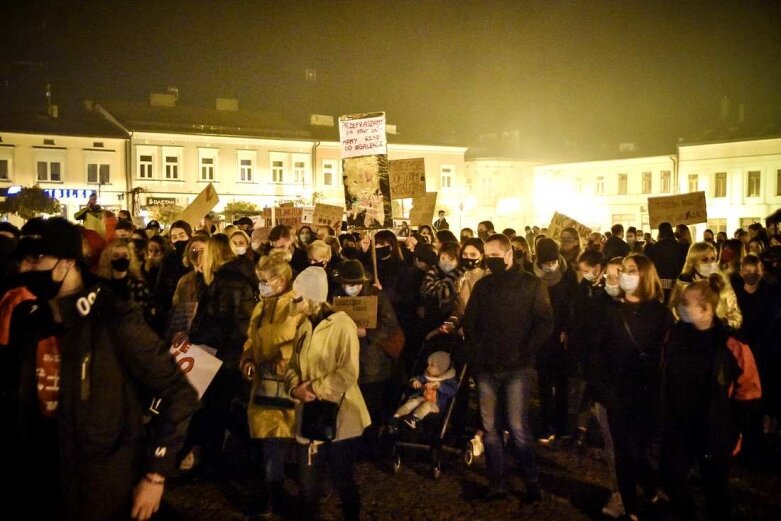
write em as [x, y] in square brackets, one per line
[547, 251]
[440, 360]
[312, 284]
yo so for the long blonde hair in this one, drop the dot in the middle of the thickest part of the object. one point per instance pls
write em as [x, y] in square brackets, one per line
[105, 270]
[218, 252]
[650, 287]
[694, 255]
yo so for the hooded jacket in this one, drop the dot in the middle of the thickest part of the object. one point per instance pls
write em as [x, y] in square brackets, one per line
[508, 318]
[111, 363]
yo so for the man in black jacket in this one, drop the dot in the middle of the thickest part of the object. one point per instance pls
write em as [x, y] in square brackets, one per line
[668, 256]
[615, 245]
[508, 318]
[86, 363]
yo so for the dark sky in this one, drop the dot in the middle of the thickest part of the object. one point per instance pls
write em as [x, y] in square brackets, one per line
[584, 72]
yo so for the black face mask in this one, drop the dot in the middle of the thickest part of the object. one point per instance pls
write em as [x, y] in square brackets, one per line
[752, 279]
[41, 283]
[121, 264]
[496, 265]
[383, 252]
[350, 252]
[180, 247]
[469, 264]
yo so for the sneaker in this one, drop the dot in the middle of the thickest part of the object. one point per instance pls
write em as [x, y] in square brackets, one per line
[477, 446]
[533, 493]
[411, 421]
[614, 508]
[547, 440]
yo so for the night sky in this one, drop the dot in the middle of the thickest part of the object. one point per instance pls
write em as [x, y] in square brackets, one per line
[587, 73]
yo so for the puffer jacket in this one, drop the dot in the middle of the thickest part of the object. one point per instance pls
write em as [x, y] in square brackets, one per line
[223, 314]
[269, 345]
[327, 356]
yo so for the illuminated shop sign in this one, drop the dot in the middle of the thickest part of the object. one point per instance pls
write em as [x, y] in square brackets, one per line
[68, 193]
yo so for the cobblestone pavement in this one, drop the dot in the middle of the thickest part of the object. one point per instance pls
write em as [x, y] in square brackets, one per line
[574, 487]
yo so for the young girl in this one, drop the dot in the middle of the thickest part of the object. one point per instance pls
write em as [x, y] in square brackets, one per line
[709, 380]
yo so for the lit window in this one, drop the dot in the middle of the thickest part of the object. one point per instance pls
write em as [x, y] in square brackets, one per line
[145, 166]
[694, 182]
[98, 173]
[579, 185]
[446, 172]
[207, 169]
[49, 171]
[623, 181]
[754, 179]
[600, 189]
[245, 170]
[299, 171]
[647, 179]
[720, 185]
[665, 180]
[172, 167]
[277, 170]
[329, 167]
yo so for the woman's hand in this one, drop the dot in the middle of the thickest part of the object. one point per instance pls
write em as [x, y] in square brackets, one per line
[416, 384]
[303, 392]
[410, 243]
[146, 498]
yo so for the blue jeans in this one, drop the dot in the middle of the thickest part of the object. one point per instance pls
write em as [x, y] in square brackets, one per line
[515, 386]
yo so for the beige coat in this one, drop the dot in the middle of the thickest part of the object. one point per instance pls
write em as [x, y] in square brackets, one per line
[328, 357]
[269, 344]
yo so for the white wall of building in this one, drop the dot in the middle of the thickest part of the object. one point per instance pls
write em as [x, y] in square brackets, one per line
[499, 190]
[67, 166]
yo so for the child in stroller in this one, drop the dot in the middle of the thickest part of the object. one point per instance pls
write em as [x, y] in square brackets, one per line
[433, 390]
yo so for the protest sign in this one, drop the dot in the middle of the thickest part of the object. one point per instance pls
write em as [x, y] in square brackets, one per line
[365, 170]
[363, 310]
[407, 178]
[362, 134]
[202, 205]
[422, 211]
[198, 363]
[678, 209]
[561, 221]
[327, 215]
[289, 215]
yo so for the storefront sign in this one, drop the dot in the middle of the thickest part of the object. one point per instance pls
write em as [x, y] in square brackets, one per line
[68, 193]
[160, 201]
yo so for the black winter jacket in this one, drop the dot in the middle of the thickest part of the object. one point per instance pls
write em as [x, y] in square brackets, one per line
[111, 362]
[223, 314]
[507, 320]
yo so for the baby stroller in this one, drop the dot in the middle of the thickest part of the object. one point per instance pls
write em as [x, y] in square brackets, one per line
[435, 433]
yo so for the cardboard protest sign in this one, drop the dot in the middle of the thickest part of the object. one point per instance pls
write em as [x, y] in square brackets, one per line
[198, 363]
[289, 215]
[202, 205]
[561, 221]
[678, 209]
[327, 215]
[363, 310]
[407, 178]
[422, 211]
[362, 134]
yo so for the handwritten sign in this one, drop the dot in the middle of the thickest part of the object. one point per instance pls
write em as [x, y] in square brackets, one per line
[198, 363]
[288, 215]
[422, 211]
[362, 134]
[202, 205]
[678, 209]
[327, 215]
[561, 221]
[363, 310]
[407, 178]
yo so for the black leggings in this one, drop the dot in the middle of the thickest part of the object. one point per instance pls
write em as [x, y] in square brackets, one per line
[632, 433]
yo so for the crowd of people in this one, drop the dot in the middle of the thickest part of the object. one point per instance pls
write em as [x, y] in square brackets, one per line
[666, 342]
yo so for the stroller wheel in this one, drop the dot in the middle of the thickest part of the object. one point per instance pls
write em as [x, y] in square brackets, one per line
[469, 457]
[396, 461]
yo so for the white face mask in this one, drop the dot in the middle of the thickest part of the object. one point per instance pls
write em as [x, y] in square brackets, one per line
[629, 283]
[706, 268]
[255, 245]
[613, 290]
[241, 250]
[550, 268]
[683, 313]
[447, 267]
[353, 290]
[589, 276]
[266, 290]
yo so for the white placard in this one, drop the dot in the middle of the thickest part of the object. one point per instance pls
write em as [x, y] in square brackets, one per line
[362, 136]
[198, 363]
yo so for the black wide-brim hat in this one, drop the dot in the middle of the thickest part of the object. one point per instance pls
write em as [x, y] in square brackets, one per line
[351, 272]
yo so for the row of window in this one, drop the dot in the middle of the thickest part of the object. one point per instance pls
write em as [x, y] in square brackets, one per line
[719, 189]
[51, 172]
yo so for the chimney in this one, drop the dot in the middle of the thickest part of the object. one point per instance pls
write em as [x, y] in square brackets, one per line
[227, 104]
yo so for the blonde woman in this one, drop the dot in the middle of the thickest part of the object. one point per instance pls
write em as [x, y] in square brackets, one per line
[319, 253]
[220, 322]
[189, 288]
[701, 262]
[120, 268]
[325, 366]
[267, 352]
